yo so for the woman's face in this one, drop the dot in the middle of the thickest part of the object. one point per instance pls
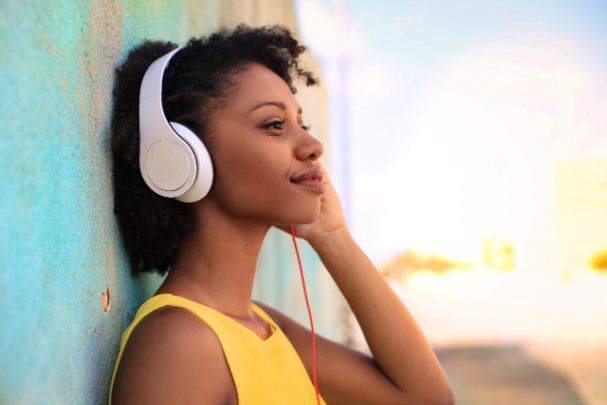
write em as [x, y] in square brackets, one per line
[266, 163]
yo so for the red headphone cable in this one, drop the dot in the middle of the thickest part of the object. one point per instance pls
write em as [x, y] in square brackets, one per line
[305, 291]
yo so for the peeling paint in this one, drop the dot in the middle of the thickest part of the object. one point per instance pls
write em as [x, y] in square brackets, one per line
[105, 300]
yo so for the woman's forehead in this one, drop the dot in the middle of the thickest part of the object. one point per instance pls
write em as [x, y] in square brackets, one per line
[256, 85]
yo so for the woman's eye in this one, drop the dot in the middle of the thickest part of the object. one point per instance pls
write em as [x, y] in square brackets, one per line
[278, 124]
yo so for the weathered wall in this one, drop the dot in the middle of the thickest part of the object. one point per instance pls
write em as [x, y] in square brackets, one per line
[59, 247]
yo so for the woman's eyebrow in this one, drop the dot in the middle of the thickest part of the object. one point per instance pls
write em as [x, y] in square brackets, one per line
[278, 104]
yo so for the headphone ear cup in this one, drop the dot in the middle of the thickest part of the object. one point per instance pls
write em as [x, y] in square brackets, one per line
[204, 165]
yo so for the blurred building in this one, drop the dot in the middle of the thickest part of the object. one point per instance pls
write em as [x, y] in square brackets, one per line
[580, 216]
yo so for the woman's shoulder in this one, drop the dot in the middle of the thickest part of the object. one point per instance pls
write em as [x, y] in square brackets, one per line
[173, 328]
[172, 354]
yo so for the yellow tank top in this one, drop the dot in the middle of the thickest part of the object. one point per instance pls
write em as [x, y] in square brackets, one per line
[265, 372]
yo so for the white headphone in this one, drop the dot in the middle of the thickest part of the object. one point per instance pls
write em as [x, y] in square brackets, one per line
[173, 160]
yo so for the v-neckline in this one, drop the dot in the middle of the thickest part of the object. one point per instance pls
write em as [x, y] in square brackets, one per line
[270, 330]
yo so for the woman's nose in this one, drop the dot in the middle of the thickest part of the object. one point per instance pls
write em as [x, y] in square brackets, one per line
[309, 148]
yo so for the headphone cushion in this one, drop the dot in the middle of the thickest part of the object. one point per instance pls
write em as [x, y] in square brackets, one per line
[204, 170]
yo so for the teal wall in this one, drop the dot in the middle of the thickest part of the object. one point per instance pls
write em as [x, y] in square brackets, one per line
[59, 247]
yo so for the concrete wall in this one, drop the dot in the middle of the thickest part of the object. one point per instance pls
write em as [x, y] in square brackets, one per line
[60, 253]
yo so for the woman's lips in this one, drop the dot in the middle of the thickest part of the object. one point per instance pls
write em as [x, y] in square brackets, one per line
[310, 178]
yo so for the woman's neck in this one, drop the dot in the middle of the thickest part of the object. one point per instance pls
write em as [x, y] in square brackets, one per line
[216, 264]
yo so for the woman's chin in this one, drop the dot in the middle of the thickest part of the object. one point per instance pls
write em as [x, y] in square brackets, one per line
[301, 218]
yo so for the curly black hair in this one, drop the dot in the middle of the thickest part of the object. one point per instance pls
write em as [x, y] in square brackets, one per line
[197, 82]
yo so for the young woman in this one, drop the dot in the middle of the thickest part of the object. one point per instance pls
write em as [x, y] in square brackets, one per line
[200, 339]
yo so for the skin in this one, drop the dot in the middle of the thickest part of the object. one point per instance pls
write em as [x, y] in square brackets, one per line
[259, 144]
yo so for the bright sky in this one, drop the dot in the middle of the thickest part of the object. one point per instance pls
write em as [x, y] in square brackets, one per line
[448, 117]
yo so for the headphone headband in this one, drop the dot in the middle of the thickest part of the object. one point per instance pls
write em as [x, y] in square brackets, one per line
[172, 159]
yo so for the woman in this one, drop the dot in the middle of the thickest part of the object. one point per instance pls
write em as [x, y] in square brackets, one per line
[200, 339]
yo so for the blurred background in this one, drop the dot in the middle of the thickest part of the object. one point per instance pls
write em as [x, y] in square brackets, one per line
[469, 142]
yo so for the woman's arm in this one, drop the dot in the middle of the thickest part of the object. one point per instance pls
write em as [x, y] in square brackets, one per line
[404, 369]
